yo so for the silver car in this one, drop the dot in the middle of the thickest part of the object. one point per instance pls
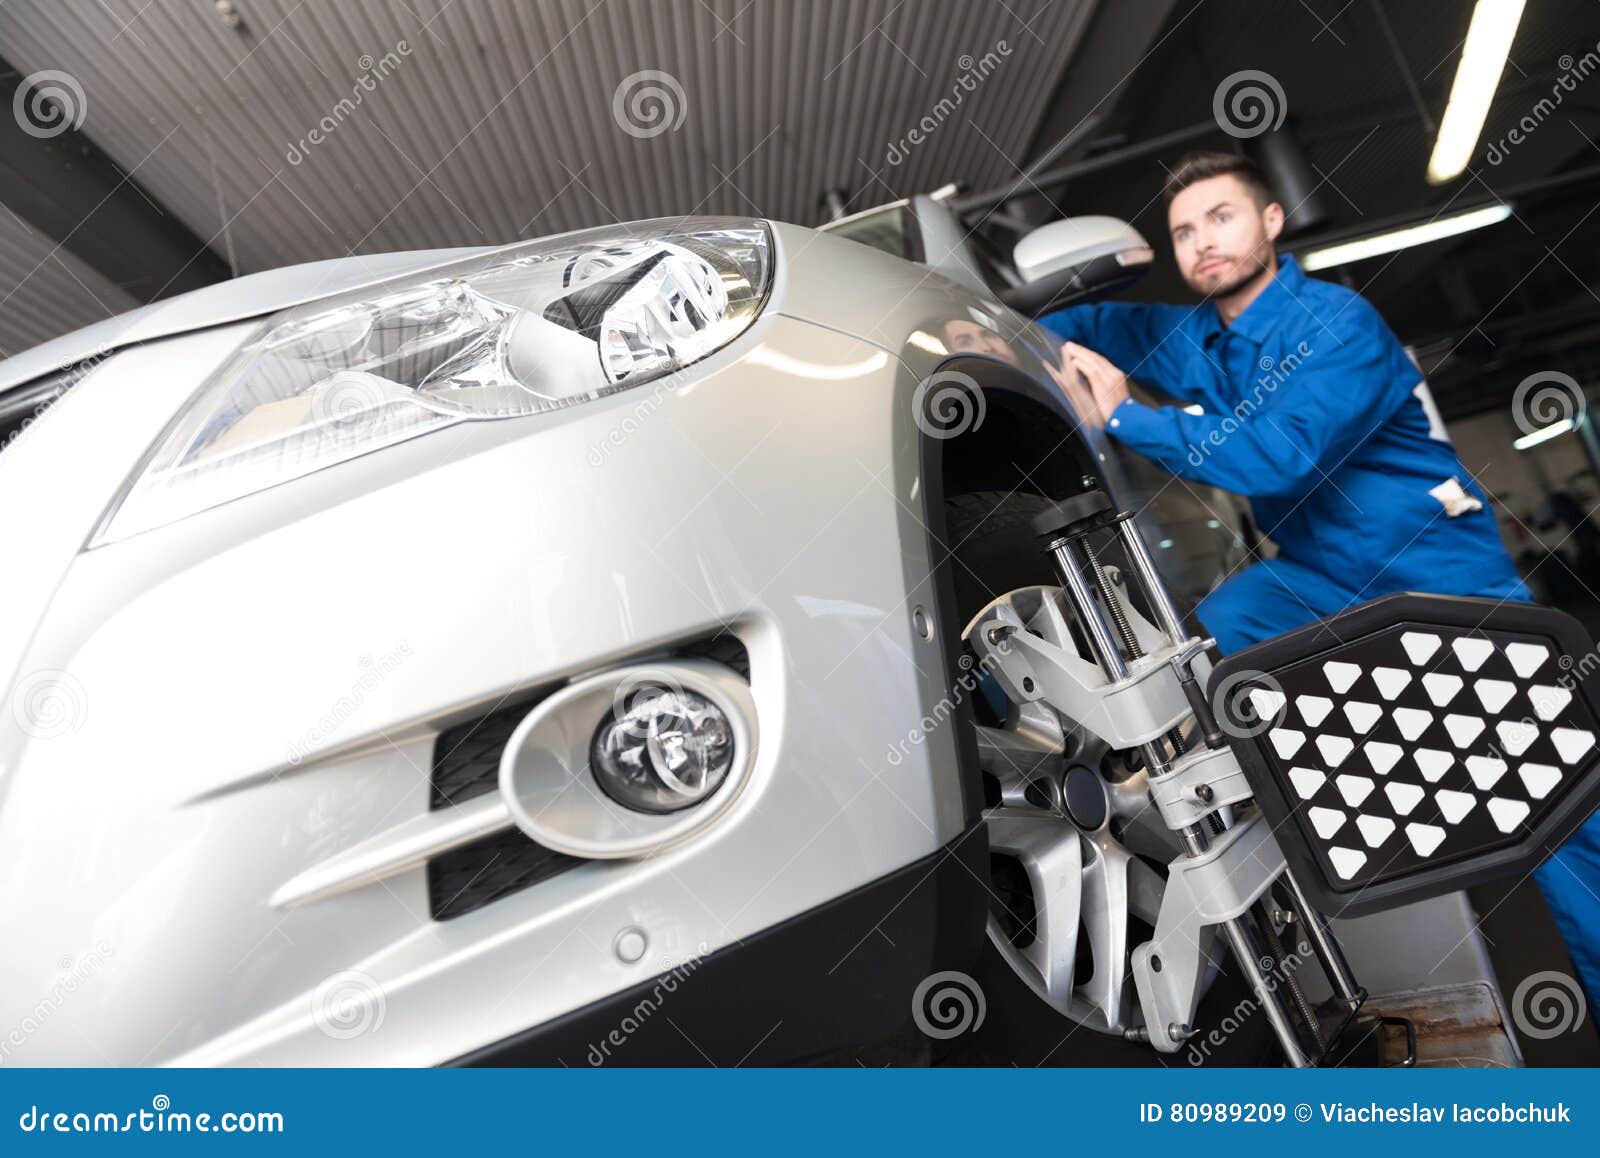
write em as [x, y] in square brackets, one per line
[555, 653]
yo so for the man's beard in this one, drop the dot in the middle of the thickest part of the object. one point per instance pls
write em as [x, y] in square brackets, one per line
[1228, 289]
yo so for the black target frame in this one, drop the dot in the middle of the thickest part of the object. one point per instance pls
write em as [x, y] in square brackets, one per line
[1369, 637]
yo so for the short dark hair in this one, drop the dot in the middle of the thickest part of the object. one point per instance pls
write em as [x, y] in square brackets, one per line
[1197, 167]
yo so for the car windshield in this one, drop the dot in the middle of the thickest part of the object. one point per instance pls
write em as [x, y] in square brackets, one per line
[891, 228]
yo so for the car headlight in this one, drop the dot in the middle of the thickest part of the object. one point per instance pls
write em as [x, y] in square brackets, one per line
[522, 330]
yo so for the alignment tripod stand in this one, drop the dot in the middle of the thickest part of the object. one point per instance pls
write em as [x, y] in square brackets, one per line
[1143, 692]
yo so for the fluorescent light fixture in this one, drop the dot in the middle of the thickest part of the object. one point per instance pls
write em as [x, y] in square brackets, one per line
[1436, 230]
[1483, 59]
[1544, 434]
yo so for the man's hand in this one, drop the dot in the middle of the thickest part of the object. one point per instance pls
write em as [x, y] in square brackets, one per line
[1072, 384]
[1107, 384]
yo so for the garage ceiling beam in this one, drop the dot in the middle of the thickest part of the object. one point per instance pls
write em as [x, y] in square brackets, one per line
[1121, 35]
[70, 191]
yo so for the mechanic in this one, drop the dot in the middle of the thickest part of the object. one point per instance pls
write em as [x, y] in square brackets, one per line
[1295, 394]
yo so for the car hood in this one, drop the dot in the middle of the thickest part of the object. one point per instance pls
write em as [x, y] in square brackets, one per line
[230, 301]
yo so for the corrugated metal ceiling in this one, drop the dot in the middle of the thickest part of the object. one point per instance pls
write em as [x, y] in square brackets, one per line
[468, 122]
[45, 290]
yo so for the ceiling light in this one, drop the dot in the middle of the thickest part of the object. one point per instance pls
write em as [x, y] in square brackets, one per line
[1483, 59]
[1435, 230]
[1544, 434]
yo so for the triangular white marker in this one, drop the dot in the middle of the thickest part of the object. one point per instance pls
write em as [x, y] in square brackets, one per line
[1549, 700]
[1362, 715]
[1507, 813]
[1346, 861]
[1354, 789]
[1374, 829]
[1424, 837]
[1441, 687]
[1454, 805]
[1306, 781]
[1419, 646]
[1404, 797]
[1494, 694]
[1340, 675]
[1516, 735]
[1526, 657]
[1287, 741]
[1539, 779]
[1432, 763]
[1391, 681]
[1463, 729]
[1571, 743]
[1471, 652]
[1334, 749]
[1412, 722]
[1313, 709]
[1267, 703]
[1326, 821]
[1485, 771]
[1382, 756]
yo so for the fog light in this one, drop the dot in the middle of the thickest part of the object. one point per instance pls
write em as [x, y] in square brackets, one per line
[662, 749]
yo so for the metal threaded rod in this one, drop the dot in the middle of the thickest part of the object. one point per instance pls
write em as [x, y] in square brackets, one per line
[1323, 942]
[1290, 981]
[1119, 617]
[1108, 596]
[1238, 935]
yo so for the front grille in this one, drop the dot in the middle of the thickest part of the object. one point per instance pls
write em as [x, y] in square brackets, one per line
[466, 764]
[466, 758]
[495, 866]
[725, 648]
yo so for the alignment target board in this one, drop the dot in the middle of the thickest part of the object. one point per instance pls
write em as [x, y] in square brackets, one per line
[1417, 744]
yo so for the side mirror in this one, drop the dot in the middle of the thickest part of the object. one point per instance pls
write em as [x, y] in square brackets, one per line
[1075, 259]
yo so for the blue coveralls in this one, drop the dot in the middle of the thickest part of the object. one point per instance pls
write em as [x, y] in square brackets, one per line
[1313, 410]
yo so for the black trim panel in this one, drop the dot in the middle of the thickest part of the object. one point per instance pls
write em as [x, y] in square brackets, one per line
[840, 975]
